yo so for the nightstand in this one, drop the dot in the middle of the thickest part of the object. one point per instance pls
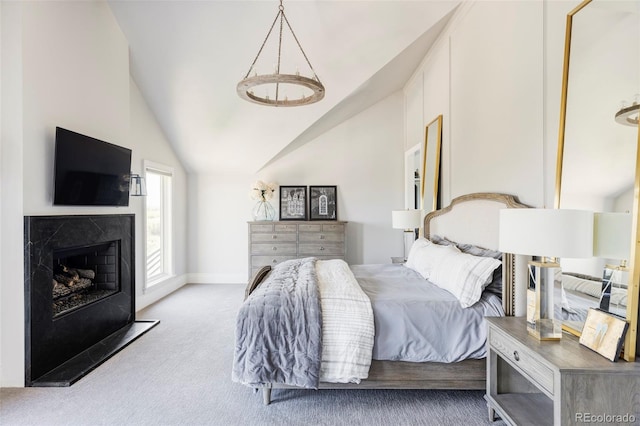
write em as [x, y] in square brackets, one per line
[533, 382]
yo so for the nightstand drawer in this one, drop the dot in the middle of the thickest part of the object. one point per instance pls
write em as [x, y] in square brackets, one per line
[519, 356]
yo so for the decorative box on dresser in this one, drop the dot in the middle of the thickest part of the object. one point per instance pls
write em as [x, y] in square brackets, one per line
[533, 382]
[273, 242]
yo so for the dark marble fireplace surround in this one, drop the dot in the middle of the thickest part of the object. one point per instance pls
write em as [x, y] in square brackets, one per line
[63, 347]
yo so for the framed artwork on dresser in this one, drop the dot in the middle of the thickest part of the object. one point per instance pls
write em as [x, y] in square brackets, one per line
[323, 202]
[293, 202]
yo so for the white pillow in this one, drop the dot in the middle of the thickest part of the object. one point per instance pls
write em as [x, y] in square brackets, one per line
[463, 275]
[412, 258]
[618, 296]
[424, 256]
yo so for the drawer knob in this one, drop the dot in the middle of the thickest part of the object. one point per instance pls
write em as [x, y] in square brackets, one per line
[274, 236]
[275, 261]
[516, 355]
[274, 248]
[321, 248]
[322, 237]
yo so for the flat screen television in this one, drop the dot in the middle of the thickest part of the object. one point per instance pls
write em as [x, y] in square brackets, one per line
[90, 172]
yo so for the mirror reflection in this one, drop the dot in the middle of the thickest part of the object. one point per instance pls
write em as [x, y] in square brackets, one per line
[598, 159]
[412, 167]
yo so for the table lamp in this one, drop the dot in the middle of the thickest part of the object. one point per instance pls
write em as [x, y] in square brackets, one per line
[408, 220]
[548, 234]
[612, 241]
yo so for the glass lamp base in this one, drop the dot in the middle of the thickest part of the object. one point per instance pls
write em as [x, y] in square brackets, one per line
[544, 301]
[545, 329]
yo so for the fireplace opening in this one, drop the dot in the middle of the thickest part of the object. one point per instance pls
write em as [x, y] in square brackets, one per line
[84, 275]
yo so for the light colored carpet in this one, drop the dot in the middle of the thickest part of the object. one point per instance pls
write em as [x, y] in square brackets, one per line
[179, 373]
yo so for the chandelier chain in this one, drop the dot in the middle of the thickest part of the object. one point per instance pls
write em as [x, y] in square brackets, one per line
[262, 47]
[279, 48]
[301, 49]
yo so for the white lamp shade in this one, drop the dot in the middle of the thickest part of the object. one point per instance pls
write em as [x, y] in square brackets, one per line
[612, 235]
[406, 219]
[546, 232]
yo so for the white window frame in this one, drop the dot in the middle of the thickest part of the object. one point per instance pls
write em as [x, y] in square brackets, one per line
[167, 226]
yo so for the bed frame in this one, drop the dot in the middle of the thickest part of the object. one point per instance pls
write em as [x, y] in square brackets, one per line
[473, 219]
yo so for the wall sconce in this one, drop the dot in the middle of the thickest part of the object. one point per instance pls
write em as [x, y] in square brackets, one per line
[138, 186]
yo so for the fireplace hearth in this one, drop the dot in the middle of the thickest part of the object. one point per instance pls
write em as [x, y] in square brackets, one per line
[79, 295]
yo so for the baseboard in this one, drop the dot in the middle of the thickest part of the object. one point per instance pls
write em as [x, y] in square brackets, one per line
[160, 290]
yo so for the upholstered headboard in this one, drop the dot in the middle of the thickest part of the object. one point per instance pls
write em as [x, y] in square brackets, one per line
[473, 219]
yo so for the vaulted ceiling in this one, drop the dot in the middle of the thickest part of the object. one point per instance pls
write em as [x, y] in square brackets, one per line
[188, 56]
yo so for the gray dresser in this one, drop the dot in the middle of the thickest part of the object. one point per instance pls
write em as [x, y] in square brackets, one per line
[273, 242]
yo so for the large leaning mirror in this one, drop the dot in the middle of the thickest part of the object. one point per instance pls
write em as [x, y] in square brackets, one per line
[431, 165]
[597, 167]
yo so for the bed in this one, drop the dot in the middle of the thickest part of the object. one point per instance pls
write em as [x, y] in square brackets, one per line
[469, 220]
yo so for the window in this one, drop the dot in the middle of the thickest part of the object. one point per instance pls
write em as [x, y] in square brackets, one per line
[157, 218]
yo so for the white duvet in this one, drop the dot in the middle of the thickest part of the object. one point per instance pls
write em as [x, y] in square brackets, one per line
[347, 324]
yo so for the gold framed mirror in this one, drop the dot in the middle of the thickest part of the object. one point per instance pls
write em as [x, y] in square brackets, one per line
[598, 158]
[430, 171]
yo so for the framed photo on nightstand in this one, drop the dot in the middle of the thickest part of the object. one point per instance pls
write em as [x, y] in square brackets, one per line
[603, 333]
[323, 202]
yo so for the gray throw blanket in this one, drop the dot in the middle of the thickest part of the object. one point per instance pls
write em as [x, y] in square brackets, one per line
[279, 329]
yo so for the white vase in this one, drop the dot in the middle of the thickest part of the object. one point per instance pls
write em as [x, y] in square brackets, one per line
[263, 210]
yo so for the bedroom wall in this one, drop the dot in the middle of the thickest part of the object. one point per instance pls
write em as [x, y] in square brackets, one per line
[362, 156]
[11, 259]
[73, 72]
[486, 76]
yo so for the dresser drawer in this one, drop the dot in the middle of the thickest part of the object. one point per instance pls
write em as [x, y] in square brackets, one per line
[321, 236]
[518, 355]
[310, 227]
[262, 238]
[259, 261]
[275, 248]
[263, 227]
[286, 227]
[326, 227]
[329, 257]
[313, 249]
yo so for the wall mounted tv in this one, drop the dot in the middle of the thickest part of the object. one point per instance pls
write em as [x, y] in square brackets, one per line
[90, 172]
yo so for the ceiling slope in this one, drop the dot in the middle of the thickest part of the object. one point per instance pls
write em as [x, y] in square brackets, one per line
[188, 56]
[389, 79]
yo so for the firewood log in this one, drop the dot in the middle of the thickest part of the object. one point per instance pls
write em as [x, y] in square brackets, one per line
[86, 273]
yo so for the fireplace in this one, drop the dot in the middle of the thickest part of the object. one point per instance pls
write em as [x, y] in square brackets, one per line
[79, 294]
